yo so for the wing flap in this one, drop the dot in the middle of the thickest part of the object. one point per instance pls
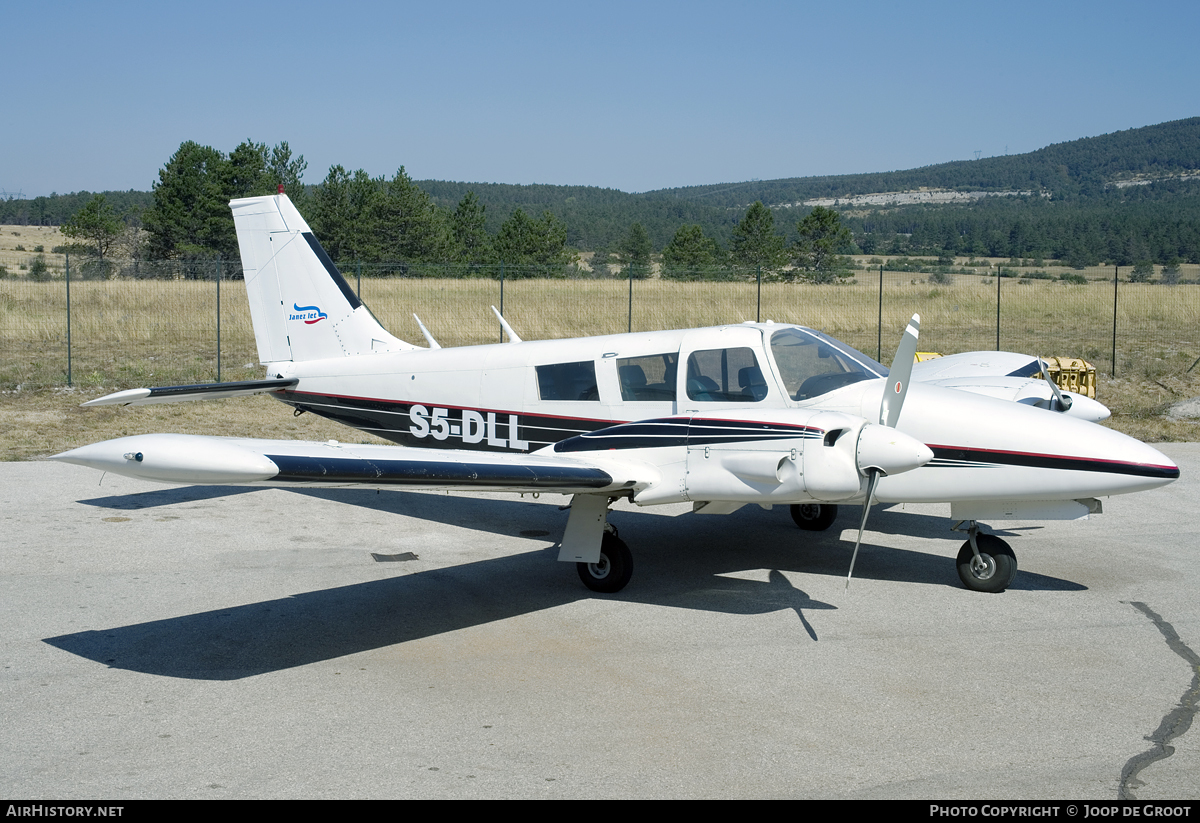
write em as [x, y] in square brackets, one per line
[423, 472]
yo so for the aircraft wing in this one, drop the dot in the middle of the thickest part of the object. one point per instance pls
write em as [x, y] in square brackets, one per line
[185, 458]
[976, 364]
[1005, 376]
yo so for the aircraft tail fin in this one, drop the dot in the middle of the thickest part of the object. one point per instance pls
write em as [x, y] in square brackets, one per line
[301, 306]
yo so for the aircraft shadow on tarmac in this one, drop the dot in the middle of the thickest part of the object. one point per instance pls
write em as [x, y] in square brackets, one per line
[681, 562]
[166, 497]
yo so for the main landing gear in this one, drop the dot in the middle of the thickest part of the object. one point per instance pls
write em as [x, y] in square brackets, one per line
[614, 569]
[814, 517]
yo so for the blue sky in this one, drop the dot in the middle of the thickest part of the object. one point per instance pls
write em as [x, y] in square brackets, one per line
[633, 96]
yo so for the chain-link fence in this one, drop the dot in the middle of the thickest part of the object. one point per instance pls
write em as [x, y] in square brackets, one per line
[123, 325]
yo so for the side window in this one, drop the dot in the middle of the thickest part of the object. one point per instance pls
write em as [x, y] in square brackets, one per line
[725, 376]
[648, 378]
[568, 381]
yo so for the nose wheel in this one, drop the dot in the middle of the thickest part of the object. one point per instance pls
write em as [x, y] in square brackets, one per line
[988, 566]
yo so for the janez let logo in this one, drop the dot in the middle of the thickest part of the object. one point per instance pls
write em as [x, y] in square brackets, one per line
[309, 314]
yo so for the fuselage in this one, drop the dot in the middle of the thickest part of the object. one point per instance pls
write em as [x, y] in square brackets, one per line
[768, 387]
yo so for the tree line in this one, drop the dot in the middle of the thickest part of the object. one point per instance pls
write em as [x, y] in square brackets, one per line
[358, 218]
[1084, 220]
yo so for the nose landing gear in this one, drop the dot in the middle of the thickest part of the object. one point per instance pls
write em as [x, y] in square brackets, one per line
[985, 562]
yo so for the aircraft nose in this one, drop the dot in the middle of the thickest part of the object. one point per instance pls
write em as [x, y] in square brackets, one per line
[1159, 463]
[890, 451]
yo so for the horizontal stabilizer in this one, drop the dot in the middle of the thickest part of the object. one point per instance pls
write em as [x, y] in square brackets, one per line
[201, 391]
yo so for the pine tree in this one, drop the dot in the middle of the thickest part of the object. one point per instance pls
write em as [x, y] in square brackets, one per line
[822, 238]
[472, 243]
[96, 222]
[690, 255]
[755, 244]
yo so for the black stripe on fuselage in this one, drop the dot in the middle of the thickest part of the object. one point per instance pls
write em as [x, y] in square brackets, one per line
[303, 469]
[683, 431]
[954, 457]
[394, 420]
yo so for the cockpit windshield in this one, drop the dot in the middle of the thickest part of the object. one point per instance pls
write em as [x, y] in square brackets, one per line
[812, 363]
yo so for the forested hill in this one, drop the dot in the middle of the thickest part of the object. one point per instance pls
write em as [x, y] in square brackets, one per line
[1079, 173]
[1077, 169]
[1082, 203]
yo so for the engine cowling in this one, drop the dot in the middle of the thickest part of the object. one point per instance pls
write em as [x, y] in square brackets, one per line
[834, 468]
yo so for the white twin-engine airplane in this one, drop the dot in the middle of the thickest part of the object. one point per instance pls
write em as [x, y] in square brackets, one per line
[720, 417]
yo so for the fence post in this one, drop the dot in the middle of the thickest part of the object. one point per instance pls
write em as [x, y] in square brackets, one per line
[501, 299]
[629, 321]
[758, 311]
[998, 272]
[358, 275]
[218, 320]
[68, 275]
[879, 325]
[1116, 272]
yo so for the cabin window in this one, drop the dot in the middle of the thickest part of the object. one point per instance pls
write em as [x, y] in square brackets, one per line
[812, 365]
[568, 381]
[725, 376]
[648, 378]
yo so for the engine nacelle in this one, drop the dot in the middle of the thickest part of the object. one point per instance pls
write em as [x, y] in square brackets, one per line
[830, 465]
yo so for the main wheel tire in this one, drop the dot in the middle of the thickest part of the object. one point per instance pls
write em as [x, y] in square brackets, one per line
[614, 569]
[998, 569]
[814, 517]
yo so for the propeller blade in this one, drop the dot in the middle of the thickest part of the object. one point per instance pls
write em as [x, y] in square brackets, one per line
[872, 479]
[1064, 403]
[901, 371]
[889, 412]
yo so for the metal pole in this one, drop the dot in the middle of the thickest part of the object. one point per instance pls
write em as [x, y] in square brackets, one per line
[998, 270]
[758, 311]
[879, 325]
[218, 321]
[1116, 271]
[68, 257]
[502, 298]
[358, 274]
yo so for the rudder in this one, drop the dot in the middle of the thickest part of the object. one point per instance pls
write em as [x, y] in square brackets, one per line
[301, 306]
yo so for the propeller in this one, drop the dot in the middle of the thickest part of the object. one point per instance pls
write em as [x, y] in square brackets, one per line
[894, 393]
[1063, 402]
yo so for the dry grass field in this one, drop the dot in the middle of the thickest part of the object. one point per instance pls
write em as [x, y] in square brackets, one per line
[29, 237]
[164, 332]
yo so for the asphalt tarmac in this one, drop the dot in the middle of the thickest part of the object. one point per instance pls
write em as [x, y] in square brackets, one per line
[218, 642]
